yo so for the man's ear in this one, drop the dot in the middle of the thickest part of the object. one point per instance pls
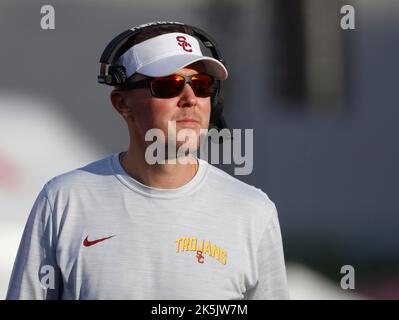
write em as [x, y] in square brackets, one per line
[118, 100]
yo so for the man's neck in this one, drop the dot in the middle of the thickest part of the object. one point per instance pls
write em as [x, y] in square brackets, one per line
[164, 176]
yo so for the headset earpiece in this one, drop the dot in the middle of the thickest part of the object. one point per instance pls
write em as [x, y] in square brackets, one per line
[216, 120]
[118, 74]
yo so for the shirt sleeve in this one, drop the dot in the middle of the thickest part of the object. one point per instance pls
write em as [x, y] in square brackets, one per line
[270, 265]
[35, 275]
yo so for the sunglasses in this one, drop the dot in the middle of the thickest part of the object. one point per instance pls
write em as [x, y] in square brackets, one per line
[171, 86]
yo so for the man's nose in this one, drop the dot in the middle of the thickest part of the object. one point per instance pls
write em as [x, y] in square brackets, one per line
[187, 97]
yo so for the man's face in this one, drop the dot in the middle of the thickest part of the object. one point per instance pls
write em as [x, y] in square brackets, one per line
[146, 112]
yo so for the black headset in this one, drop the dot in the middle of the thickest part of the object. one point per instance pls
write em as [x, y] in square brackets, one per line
[115, 75]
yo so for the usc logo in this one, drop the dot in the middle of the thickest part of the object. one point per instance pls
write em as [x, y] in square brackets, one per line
[181, 41]
[200, 257]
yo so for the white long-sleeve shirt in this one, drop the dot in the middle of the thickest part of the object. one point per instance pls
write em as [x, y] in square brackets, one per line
[97, 233]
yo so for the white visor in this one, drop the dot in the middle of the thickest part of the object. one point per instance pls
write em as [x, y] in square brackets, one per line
[165, 54]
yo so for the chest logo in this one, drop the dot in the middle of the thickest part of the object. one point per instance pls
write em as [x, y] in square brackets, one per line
[201, 248]
[88, 243]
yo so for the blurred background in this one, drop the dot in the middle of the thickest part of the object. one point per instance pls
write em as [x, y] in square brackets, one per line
[321, 101]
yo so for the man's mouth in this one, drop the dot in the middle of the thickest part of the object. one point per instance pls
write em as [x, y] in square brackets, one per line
[188, 122]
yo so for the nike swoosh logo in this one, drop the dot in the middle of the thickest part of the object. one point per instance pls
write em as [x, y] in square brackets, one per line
[88, 243]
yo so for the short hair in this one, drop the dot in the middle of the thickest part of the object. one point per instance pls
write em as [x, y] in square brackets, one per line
[158, 30]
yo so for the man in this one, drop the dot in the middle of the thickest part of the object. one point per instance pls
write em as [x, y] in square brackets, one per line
[125, 228]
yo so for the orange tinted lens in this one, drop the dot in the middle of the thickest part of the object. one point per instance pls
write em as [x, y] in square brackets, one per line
[167, 87]
[202, 85]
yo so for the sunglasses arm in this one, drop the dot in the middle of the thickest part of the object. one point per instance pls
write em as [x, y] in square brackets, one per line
[136, 84]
